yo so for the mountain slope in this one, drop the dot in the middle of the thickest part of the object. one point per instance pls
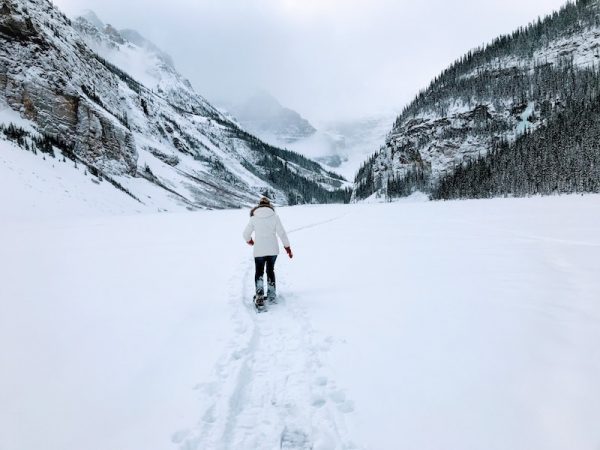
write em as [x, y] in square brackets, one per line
[154, 136]
[516, 85]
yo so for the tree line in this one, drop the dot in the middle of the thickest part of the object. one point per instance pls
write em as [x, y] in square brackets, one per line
[561, 157]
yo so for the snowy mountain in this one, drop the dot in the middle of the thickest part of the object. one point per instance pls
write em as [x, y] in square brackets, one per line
[500, 100]
[264, 116]
[113, 104]
[143, 60]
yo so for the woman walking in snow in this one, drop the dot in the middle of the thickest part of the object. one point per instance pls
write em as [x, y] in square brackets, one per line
[266, 226]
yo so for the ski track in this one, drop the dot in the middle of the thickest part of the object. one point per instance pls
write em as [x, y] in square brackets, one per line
[316, 224]
[273, 389]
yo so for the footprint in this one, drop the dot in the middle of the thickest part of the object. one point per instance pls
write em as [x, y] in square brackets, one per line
[294, 439]
[346, 407]
[327, 343]
[179, 436]
[209, 415]
[321, 381]
[318, 402]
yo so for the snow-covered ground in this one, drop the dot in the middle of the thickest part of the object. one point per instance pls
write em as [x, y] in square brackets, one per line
[421, 325]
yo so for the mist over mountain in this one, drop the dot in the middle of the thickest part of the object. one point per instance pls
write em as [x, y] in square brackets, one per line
[264, 116]
[343, 145]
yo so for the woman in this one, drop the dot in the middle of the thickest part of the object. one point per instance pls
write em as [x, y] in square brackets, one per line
[265, 224]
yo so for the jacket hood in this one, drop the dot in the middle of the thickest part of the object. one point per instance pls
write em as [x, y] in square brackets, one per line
[263, 212]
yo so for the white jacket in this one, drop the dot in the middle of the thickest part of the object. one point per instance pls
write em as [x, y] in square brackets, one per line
[266, 226]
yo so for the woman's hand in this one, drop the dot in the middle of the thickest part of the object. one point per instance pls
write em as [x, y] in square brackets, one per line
[289, 252]
[251, 242]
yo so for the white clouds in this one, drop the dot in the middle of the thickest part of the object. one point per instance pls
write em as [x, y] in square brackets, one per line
[326, 58]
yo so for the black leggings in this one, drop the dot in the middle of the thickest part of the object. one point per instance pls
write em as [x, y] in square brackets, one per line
[259, 264]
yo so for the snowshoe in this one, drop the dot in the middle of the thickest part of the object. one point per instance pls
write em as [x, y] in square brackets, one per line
[259, 303]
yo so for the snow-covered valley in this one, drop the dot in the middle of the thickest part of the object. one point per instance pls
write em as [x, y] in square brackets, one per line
[411, 325]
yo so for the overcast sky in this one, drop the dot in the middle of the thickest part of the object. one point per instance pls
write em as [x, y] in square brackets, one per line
[327, 59]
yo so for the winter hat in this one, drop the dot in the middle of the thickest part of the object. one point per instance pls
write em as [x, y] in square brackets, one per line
[264, 202]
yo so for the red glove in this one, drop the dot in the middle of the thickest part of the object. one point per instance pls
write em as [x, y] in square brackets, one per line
[251, 242]
[289, 251]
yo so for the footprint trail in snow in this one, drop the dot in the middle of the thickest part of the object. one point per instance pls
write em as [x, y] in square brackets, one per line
[272, 388]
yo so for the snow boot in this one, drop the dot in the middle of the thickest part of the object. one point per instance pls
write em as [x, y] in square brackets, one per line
[259, 297]
[260, 287]
[272, 292]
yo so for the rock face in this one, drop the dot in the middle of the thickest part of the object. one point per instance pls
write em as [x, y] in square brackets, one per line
[494, 94]
[143, 124]
[46, 94]
[434, 144]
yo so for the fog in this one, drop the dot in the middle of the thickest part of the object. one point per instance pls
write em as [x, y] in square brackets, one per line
[327, 59]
